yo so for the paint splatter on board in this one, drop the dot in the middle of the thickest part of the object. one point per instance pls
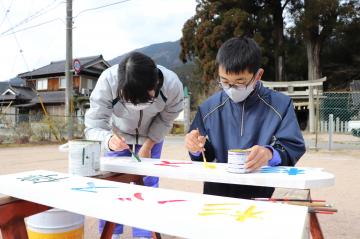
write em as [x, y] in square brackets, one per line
[139, 197]
[171, 164]
[289, 171]
[90, 188]
[42, 178]
[229, 210]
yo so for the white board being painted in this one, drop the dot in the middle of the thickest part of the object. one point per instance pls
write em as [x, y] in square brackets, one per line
[181, 214]
[285, 177]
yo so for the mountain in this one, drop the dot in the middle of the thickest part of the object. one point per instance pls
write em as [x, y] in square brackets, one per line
[165, 54]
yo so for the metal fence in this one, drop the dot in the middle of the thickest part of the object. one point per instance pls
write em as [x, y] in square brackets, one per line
[345, 108]
[24, 128]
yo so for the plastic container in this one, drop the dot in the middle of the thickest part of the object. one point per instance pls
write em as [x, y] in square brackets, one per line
[55, 224]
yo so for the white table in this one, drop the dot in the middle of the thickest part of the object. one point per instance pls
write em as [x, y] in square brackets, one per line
[284, 177]
[182, 214]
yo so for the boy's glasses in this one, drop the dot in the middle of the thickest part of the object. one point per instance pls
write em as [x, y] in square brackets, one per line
[226, 86]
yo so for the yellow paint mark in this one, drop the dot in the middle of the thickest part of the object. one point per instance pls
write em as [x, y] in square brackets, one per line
[240, 216]
[210, 166]
[249, 213]
[221, 204]
[217, 209]
[212, 213]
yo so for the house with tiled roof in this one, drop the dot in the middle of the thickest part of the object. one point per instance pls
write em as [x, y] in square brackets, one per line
[47, 85]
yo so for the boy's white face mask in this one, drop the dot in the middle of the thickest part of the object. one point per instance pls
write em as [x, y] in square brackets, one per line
[239, 94]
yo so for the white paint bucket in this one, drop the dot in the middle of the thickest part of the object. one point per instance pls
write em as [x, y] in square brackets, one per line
[84, 157]
[55, 224]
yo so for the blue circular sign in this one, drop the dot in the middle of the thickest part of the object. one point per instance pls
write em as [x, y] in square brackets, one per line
[77, 66]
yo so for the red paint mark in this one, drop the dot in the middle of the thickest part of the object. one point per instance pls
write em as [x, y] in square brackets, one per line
[138, 196]
[167, 201]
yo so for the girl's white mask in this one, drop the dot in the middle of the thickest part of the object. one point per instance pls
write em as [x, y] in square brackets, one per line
[137, 107]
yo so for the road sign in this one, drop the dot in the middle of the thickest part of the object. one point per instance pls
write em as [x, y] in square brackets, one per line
[77, 66]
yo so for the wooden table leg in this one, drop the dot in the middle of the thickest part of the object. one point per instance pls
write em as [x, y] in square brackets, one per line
[108, 230]
[12, 214]
[15, 229]
[315, 229]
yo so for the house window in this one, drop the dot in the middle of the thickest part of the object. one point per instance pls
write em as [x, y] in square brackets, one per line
[90, 84]
[62, 83]
[42, 84]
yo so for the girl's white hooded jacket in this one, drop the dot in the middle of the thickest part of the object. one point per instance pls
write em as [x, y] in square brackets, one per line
[136, 126]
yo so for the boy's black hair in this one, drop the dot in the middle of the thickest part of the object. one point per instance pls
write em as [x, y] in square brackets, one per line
[238, 54]
[137, 74]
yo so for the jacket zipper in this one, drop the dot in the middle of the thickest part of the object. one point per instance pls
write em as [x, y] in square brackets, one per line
[137, 129]
[242, 118]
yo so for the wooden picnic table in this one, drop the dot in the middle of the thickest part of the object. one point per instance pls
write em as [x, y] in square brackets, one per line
[294, 179]
[182, 214]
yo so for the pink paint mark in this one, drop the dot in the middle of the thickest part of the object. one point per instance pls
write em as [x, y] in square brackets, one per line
[138, 196]
[167, 201]
[171, 164]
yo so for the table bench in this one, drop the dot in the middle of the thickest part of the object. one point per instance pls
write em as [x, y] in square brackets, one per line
[182, 214]
[292, 178]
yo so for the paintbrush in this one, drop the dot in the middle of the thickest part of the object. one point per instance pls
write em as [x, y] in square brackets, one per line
[322, 209]
[308, 204]
[287, 200]
[116, 132]
[206, 164]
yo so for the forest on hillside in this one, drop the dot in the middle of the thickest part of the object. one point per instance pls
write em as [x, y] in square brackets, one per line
[300, 40]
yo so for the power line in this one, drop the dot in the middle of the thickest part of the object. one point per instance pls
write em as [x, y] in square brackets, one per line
[18, 44]
[30, 27]
[37, 14]
[99, 7]
[6, 12]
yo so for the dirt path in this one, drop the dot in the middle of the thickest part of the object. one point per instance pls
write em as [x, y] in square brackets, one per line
[345, 165]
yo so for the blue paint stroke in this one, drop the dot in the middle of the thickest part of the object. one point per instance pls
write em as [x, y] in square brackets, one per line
[91, 188]
[42, 178]
[290, 171]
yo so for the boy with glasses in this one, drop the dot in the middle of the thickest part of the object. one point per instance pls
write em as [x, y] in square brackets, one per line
[244, 115]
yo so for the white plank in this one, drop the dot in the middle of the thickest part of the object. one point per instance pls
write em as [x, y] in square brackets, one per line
[145, 207]
[286, 177]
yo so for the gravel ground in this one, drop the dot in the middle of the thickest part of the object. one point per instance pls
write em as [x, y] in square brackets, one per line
[343, 163]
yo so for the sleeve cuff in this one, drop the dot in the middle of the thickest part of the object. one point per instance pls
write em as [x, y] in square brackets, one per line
[106, 143]
[276, 159]
[196, 154]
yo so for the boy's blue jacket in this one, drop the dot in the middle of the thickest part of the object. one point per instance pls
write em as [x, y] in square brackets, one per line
[265, 118]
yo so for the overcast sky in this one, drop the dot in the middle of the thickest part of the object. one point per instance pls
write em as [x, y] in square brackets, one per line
[32, 33]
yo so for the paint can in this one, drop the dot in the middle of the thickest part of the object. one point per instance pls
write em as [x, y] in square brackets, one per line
[236, 160]
[55, 224]
[84, 157]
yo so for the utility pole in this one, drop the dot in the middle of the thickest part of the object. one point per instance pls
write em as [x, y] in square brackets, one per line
[68, 72]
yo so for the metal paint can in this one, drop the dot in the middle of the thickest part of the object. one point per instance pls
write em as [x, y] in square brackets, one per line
[84, 157]
[236, 160]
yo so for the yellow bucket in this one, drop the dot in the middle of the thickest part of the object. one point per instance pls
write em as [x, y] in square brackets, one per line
[55, 224]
